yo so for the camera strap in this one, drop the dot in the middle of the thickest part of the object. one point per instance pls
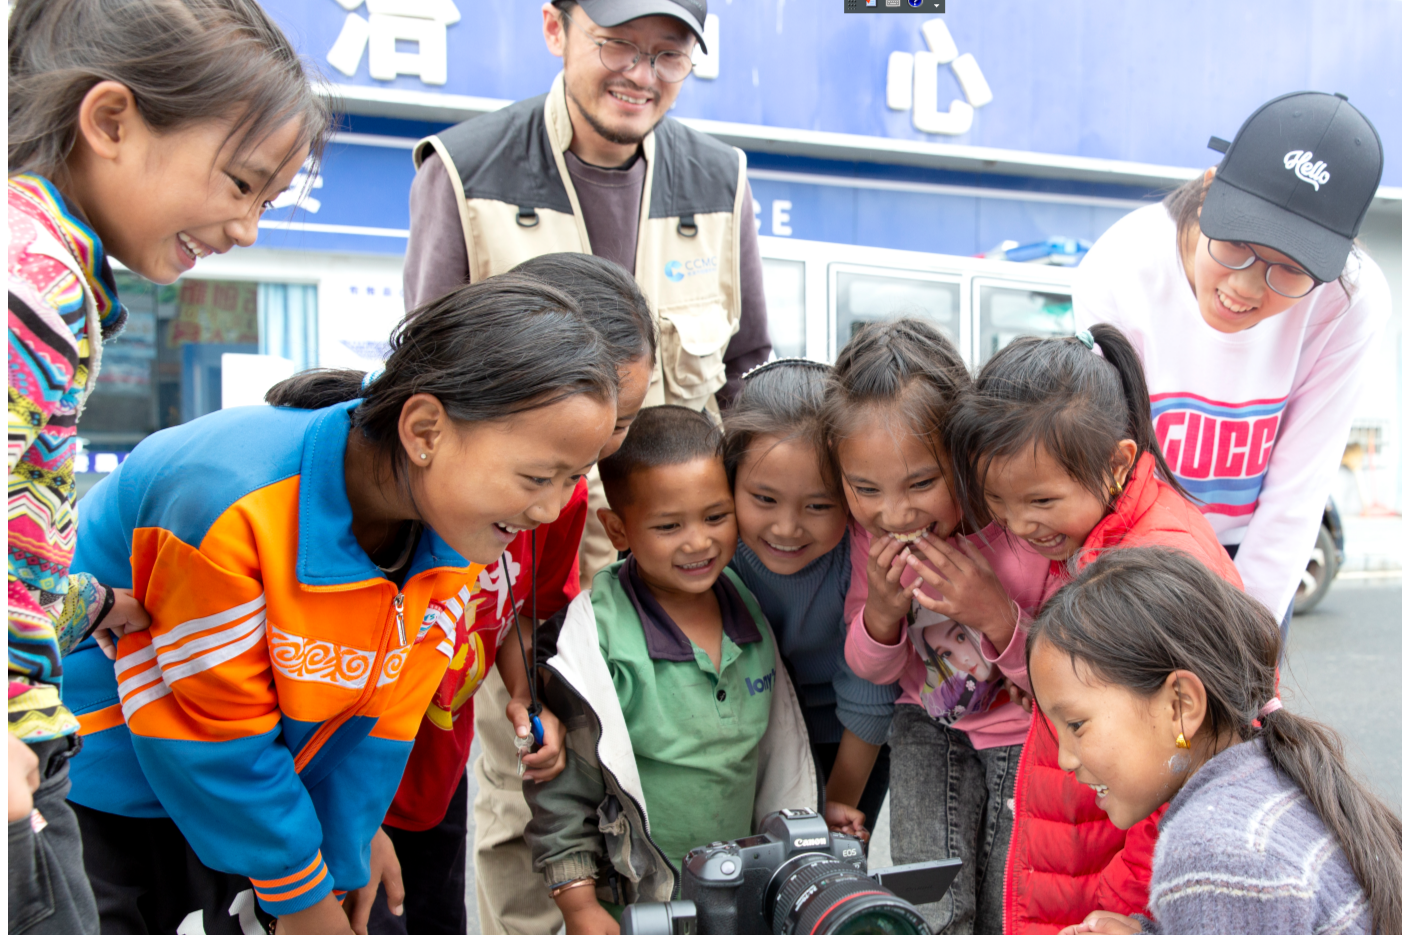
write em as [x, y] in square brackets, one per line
[537, 729]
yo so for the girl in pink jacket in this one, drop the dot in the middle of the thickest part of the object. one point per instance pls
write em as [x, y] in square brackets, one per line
[956, 734]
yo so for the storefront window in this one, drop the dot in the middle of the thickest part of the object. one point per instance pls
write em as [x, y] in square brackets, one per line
[166, 366]
[862, 298]
[1006, 313]
[784, 300]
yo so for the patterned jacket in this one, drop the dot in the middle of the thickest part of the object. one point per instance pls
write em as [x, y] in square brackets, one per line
[63, 304]
[271, 707]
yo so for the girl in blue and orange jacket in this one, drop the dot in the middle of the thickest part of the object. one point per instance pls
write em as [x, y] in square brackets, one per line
[305, 566]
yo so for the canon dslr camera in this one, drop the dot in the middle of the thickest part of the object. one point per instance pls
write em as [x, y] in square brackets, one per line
[793, 878]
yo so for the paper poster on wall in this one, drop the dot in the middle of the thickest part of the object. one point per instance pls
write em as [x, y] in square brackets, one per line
[356, 316]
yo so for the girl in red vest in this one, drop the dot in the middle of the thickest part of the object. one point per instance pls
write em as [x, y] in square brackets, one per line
[1056, 445]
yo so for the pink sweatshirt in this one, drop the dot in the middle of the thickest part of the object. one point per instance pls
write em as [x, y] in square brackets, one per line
[1024, 574]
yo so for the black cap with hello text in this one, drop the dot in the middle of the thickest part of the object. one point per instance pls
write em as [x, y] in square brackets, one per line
[616, 12]
[1298, 178]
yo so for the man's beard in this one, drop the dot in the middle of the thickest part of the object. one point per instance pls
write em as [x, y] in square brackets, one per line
[613, 136]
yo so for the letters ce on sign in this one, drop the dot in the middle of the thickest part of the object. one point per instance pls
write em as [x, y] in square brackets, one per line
[912, 83]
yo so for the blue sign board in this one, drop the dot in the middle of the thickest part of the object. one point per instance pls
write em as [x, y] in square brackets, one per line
[1135, 81]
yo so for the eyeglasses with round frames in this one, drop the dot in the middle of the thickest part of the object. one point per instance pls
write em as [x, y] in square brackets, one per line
[1284, 279]
[620, 55]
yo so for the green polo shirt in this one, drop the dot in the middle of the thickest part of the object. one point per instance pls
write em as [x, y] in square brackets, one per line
[695, 730]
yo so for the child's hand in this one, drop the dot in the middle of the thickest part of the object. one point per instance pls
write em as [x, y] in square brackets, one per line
[1104, 923]
[126, 616]
[973, 595]
[583, 914]
[549, 761]
[320, 918]
[1019, 696]
[845, 819]
[24, 778]
[384, 868]
[887, 602]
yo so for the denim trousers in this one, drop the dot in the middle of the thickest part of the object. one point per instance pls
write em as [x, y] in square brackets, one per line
[950, 800]
[49, 891]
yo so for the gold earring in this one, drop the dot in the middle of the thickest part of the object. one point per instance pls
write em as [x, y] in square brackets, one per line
[1119, 487]
[1182, 743]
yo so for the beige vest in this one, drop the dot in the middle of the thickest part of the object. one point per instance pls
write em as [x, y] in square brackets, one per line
[517, 201]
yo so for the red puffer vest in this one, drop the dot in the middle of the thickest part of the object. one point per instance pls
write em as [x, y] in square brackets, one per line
[1066, 858]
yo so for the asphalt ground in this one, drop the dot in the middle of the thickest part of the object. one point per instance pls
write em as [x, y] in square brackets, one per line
[1343, 665]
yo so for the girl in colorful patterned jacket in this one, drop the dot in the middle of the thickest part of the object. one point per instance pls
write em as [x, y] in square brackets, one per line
[1160, 679]
[305, 569]
[152, 131]
[955, 736]
[1056, 446]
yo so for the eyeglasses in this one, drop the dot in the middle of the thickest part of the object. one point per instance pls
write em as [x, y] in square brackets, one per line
[1283, 278]
[620, 55]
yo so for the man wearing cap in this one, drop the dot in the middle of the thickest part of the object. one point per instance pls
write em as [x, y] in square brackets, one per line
[1251, 306]
[593, 166]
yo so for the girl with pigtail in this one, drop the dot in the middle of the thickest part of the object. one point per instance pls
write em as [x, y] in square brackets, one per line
[1160, 679]
[1055, 445]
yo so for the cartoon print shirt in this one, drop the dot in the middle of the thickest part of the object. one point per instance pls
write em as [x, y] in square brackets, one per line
[439, 757]
[1254, 423]
[958, 679]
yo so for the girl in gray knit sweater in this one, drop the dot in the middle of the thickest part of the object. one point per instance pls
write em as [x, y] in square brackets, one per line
[1160, 680]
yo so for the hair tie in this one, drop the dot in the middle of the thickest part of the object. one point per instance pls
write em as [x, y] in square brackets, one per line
[786, 362]
[1270, 707]
[1088, 339]
[370, 377]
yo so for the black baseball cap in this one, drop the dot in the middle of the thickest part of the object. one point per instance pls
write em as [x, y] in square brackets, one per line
[617, 12]
[1298, 178]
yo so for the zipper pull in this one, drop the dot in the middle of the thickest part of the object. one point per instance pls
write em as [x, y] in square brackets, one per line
[399, 616]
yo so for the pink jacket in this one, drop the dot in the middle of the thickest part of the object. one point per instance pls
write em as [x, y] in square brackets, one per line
[1024, 575]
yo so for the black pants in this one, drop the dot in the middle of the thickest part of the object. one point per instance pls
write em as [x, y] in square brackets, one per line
[49, 891]
[434, 864]
[880, 779]
[148, 881]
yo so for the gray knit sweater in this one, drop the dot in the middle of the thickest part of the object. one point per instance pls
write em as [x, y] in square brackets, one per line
[1242, 851]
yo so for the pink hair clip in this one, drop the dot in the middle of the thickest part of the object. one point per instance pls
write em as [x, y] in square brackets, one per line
[1271, 707]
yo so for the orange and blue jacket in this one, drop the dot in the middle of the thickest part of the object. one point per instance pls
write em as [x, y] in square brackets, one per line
[271, 707]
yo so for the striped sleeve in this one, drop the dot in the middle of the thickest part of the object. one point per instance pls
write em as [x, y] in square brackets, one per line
[198, 696]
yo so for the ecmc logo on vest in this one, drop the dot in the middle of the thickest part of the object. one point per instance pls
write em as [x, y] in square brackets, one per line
[1219, 451]
[677, 270]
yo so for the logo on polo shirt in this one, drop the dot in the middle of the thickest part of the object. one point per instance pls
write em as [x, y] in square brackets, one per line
[760, 685]
[1306, 171]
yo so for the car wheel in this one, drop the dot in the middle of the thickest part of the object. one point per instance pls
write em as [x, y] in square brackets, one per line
[1319, 573]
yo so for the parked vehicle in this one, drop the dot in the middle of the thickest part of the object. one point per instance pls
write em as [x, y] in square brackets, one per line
[1324, 562]
[819, 294]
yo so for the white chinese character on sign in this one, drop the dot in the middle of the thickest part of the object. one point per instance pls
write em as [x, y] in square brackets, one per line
[912, 83]
[299, 190]
[423, 23]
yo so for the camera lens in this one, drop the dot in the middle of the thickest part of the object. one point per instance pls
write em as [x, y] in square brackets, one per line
[831, 897]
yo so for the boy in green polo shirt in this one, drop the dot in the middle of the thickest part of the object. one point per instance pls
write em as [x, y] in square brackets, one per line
[683, 727]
